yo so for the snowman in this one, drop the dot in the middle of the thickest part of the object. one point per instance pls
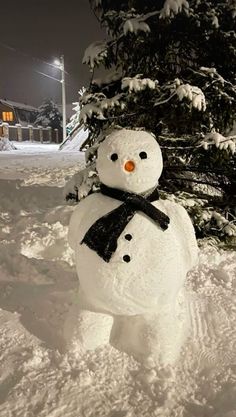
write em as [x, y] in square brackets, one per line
[132, 251]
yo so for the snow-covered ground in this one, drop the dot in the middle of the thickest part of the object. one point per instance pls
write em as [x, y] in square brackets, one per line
[41, 374]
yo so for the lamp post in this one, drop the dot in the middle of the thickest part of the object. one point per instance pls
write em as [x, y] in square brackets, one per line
[60, 63]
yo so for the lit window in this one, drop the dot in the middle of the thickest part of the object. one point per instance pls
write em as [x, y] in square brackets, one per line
[7, 116]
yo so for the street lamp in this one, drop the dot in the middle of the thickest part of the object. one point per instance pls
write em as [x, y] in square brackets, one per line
[59, 63]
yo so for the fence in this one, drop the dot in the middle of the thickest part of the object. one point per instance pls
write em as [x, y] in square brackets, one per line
[21, 133]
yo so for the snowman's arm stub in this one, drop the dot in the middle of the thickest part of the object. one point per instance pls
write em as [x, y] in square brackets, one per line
[185, 232]
[86, 213]
[181, 225]
[82, 209]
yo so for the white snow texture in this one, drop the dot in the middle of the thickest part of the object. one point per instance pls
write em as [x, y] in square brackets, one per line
[173, 7]
[193, 94]
[95, 53]
[43, 374]
[137, 84]
[6, 145]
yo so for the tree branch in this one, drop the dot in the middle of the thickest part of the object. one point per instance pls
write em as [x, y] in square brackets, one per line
[196, 181]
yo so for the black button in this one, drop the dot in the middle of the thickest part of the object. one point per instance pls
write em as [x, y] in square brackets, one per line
[128, 236]
[126, 258]
[143, 155]
[114, 157]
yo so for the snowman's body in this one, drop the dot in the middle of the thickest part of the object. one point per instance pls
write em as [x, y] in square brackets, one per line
[141, 287]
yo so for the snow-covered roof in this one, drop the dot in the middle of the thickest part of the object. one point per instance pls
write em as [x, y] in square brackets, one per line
[18, 105]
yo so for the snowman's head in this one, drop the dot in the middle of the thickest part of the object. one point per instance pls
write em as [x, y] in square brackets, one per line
[130, 160]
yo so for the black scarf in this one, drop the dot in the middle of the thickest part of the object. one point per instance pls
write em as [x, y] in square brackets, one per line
[103, 234]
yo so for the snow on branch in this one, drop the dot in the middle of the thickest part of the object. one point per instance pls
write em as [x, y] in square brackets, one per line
[97, 3]
[96, 108]
[193, 94]
[173, 7]
[110, 77]
[219, 141]
[170, 9]
[95, 53]
[212, 73]
[137, 84]
[228, 227]
[112, 102]
[215, 21]
[216, 77]
[136, 25]
[90, 110]
[74, 120]
[81, 184]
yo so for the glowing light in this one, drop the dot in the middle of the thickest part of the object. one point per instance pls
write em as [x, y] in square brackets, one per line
[57, 62]
[7, 116]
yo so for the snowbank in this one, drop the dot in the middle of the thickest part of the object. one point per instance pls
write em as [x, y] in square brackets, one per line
[6, 145]
[75, 141]
[42, 372]
[35, 147]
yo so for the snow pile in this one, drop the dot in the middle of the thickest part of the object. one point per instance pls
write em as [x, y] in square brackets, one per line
[28, 147]
[6, 145]
[44, 374]
[75, 141]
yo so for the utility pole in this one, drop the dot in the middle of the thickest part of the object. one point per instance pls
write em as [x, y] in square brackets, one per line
[60, 64]
[63, 85]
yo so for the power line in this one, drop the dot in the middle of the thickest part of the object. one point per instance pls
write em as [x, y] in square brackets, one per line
[10, 48]
[48, 76]
[52, 78]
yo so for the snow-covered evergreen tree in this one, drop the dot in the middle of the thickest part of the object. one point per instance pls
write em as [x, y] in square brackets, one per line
[75, 118]
[49, 115]
[171, 70]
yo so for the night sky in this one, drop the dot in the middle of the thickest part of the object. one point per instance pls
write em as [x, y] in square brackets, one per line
[44, 29]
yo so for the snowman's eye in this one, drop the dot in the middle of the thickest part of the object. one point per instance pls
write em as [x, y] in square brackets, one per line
[114, 157]
[143, 155]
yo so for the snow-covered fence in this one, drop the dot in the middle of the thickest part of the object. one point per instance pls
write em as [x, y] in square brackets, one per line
[30, 133]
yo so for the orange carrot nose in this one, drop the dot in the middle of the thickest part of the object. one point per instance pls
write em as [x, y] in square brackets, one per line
[129, 166]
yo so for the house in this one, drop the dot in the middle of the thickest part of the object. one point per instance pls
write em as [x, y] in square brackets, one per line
[14, 113]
